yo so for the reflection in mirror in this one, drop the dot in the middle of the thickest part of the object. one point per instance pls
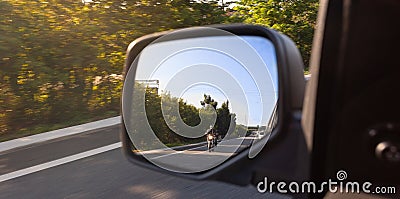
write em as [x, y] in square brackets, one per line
[198, 101]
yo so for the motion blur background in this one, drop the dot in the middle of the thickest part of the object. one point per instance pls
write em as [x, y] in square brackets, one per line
[61, 61]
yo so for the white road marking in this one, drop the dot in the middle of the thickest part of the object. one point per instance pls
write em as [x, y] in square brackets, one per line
[58, 162]
[4, 146]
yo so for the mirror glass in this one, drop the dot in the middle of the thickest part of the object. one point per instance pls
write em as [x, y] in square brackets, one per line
[190, 104]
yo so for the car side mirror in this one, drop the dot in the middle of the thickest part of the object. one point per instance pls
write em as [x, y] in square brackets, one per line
[218, 102]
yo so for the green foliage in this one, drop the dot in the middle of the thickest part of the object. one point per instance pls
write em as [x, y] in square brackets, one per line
[63, 59]
[239, 131]
[150, 118]
[208, 101]
[159, 109]
[295, 18]
[225, 119]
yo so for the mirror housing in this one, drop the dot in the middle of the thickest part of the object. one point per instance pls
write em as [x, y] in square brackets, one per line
[282, 156]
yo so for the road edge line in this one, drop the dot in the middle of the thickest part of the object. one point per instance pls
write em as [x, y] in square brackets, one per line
[58, 162]
[72, 130]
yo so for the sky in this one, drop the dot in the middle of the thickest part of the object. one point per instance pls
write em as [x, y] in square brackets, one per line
[241, 69]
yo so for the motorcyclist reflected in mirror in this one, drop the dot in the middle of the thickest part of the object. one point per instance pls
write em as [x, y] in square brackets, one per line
[212, 138]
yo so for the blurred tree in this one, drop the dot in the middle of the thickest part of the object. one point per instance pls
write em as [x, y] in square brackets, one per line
[295, 18]
[61, 61]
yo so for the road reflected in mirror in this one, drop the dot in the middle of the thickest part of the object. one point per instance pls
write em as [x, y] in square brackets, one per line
[197, 102]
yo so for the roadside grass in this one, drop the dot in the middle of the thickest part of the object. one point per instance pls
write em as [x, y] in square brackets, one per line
[174, 144]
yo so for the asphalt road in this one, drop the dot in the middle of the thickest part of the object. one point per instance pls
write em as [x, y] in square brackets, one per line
[105, 175]
[196, 158]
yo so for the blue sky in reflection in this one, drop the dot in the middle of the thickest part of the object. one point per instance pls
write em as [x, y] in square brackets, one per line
[223, 67]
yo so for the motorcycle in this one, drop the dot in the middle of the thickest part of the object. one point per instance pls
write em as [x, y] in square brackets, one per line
[210, 142]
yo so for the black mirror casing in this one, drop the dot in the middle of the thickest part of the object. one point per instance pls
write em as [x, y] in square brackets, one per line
[285, 157]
